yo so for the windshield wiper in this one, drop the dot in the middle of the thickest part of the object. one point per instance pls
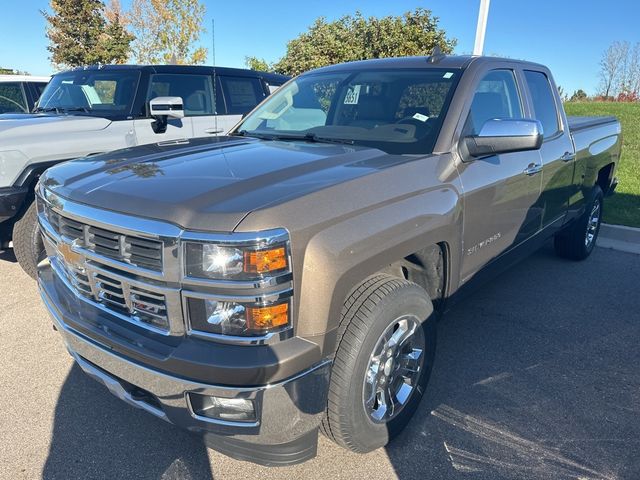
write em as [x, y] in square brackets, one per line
[76, 109]
[247, 133]
[307, 137]
[45, 110]
[314, 137]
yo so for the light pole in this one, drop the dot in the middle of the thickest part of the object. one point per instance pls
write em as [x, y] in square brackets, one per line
[483, 13]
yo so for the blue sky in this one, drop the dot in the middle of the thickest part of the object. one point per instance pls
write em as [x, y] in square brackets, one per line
[567, 35]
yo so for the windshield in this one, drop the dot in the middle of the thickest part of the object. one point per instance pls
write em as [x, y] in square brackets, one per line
[100, 93]
[397, 111]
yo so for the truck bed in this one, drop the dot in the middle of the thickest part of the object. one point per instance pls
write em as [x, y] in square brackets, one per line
[582, 123]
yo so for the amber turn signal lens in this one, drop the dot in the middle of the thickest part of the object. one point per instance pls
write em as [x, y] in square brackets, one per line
[267, 318]
[265, 261]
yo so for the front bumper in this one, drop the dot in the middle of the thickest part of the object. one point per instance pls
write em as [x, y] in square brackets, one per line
[11, 202]
[287, 412]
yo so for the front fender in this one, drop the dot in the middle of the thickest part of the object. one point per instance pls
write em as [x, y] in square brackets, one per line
[342, 234]
[341, 256]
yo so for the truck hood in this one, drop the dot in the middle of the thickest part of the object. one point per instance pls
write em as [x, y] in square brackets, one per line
[33, 125]
[210, 184]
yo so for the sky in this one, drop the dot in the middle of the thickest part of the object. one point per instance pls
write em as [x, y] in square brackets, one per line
[568, 36]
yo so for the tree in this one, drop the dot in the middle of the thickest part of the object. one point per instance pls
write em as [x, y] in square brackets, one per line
[357, 38]
[258, 64]
[611, 66]
[11, 71]
[579, 96]
[166, 31]
[562, 93]
[79, 34]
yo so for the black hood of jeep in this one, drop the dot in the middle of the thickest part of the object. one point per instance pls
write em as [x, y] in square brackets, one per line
[211, 183]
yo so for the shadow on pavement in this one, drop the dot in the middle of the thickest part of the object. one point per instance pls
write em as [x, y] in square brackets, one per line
[95, 435]
[7, 256]
[536, 377]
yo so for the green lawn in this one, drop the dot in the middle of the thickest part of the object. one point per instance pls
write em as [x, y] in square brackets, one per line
[624, 207]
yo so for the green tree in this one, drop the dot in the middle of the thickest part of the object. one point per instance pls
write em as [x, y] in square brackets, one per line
[258, 64]
[354, 37]
[79, 34]
[579, 96]
[166, 31]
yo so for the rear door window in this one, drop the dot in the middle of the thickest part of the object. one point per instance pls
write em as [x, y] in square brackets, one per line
[496, 97]
[544, 105]
[12, 98]
[196, 91]
[241, 94]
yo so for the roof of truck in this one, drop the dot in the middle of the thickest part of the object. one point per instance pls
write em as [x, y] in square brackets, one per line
[202, 69]
[23, 78]
[435, 61]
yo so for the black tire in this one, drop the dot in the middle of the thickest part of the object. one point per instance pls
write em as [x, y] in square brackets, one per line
[573, 243]
[366, 315]
[27, 241]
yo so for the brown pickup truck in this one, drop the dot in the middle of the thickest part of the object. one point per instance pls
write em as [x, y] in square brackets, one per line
[285, 279]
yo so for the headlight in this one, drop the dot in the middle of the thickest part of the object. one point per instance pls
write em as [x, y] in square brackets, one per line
[232, 262]
[237, 318]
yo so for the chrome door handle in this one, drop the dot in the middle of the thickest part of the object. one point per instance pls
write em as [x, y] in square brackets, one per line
[214, 130]
[568, 156]
[533, 168]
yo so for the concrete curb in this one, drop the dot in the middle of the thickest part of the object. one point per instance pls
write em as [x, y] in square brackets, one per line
[618, 237]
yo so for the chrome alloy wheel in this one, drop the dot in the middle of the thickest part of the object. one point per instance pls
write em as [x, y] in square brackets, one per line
[394, 369]
[592, 225]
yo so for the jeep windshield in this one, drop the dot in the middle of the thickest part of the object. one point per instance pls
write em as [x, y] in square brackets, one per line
[91, 92]
[398, 111]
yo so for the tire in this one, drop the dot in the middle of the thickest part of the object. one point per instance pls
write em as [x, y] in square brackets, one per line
[579, 239]
[376, 307]
[27, 241]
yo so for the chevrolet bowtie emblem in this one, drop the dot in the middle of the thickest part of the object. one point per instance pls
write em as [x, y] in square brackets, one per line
[68, 255]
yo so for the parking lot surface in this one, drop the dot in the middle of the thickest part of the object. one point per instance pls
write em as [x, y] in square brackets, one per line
[537, 376]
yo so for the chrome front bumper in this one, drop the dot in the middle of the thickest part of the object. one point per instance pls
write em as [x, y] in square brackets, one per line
[288, 413]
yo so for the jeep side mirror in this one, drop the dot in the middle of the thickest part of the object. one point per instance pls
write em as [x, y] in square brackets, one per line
[504, 136]
[161, 108]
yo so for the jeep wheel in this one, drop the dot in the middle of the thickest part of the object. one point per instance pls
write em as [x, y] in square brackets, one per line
[578, 241]
[27, 242]
[387, 340]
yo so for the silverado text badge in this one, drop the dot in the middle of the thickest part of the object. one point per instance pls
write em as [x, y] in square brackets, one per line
[479, 246]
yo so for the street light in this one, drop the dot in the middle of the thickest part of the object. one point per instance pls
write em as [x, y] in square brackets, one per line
[483, 13]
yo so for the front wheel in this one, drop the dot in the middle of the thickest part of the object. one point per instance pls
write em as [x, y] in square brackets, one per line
[386, 348]
[578, 241]
[27, 241]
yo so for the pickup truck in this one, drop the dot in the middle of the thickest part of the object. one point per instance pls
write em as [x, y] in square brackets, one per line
[92, 110]
[285, 279]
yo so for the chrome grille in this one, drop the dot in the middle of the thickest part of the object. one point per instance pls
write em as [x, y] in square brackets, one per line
[136, 303]
[140, 252]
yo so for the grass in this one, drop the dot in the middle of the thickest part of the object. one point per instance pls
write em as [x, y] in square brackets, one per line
[623, 208]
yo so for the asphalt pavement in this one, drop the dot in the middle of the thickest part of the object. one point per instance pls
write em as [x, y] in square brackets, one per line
[537, 376]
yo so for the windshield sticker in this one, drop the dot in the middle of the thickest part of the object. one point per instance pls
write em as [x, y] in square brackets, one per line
[421, 117]
[353, 95]
[448, 75]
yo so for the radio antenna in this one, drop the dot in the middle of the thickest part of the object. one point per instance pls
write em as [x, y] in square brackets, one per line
[215, 80]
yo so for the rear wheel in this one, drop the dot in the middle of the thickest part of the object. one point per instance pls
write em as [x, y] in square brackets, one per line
[27, 242]
[382, 365]
[578, 241]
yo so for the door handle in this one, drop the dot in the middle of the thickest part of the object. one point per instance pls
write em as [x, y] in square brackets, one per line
[214, 130]
[533, 168]
[568, 156]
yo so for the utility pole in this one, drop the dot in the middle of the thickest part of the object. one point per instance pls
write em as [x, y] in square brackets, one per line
[213, 42]
[483, 13]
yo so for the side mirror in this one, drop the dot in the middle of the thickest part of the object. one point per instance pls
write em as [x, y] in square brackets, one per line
[504, 136]
[161, 108]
